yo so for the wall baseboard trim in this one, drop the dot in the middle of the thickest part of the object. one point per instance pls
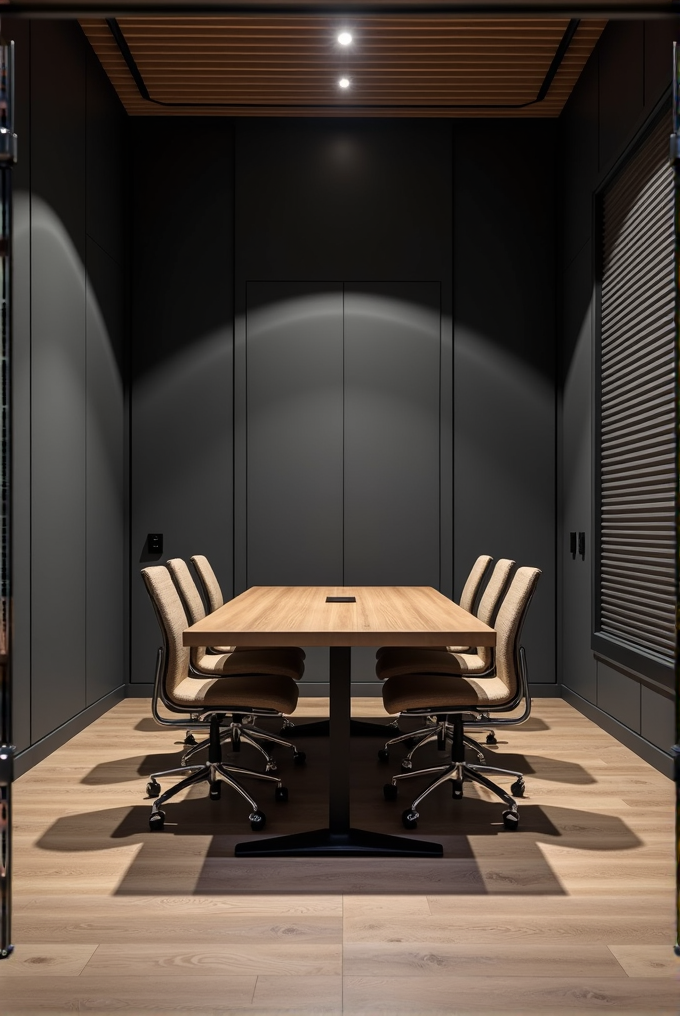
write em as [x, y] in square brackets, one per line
[645, 749]
[139, 690]
[544, 690]
[30, 757]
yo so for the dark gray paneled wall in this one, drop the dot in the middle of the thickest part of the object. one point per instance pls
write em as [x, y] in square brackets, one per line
[367, 204]
[395, 423]
[315, 201]
[362, 204]
[295, 434]
[359, 203]
[343, 433]
[504, 356]
[69, 413]
[622, 85]
[181, 358]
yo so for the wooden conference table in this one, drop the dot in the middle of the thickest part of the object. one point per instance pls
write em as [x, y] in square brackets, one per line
[339, 617]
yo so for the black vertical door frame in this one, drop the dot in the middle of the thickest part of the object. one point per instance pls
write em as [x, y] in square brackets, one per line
[7, 158]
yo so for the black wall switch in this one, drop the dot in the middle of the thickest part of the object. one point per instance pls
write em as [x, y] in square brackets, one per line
[154, 544]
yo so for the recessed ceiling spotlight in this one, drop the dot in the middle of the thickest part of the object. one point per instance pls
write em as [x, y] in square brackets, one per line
[344, 82]
[345, 38]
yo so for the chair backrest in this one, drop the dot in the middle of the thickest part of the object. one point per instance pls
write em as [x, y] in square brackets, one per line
[187, 588]
[495, 587]
[509, 622]
[491, 597]
[172, 620]
[473, 582]
[209, 581]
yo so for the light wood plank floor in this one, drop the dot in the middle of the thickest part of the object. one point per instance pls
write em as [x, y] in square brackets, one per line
[574, 913]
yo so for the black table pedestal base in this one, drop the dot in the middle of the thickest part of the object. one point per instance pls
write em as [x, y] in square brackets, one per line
[339, 838]
[357, 728]
[352, 843]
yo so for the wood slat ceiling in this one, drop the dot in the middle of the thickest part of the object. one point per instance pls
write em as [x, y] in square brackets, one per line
[290, 66]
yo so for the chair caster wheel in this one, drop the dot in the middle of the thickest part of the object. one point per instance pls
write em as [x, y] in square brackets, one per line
[491, 738]
[271, 767]
[257, 820]
[406, 765]
[390, 792]
[510, 820]
[153, 788]
[384, 754]
[189, 739]
[456, 789]
[299, 758]
[156, 821]
[281, 794]
[215, 791]
[409, 819]
[517, 789]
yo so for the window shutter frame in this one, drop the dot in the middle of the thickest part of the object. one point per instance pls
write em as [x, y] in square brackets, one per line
[635, 420]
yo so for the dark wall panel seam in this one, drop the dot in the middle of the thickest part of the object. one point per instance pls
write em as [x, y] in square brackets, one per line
[105, 251]
[567, 264]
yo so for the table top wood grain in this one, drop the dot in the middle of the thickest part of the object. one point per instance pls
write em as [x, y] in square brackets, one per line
[300, 615]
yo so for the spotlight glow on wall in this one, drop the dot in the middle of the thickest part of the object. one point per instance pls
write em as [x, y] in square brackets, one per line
[344, 82]
[345, 38]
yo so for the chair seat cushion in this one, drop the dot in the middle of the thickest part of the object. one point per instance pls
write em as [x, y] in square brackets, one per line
[237, 694]
[397, 662]
[440, 649]
[283, 662]
[443, 693]
[269, 649]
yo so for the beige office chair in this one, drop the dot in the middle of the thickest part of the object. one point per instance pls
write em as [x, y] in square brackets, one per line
[468, 598]
[211, 586]
[450, 687]
[193, 603]
[264, 689]
[480, 662]
[233, 662]
[215, 599]
[468, 594]
[202, 659]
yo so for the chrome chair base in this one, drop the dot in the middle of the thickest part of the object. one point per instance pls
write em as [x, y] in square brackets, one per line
[441, 732]
[214, 772]
[456, 772]
[238, 732]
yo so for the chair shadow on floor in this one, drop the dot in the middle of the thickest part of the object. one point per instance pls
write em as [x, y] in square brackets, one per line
[193, 855]
[480, 857]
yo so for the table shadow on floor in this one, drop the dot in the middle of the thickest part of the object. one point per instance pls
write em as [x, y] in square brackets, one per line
[194, 852]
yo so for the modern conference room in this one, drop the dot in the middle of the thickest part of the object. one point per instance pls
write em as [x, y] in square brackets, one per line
[340, 441]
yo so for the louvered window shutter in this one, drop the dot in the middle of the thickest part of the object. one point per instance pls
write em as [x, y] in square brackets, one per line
[637, 424]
